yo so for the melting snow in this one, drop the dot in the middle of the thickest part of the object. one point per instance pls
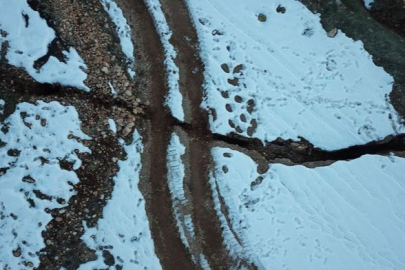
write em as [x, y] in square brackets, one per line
[348, 215]
[285, 77]
[124, 229]
[28, 37]
[123, 31]
[175, 177]
[35, 139]
[174, 98]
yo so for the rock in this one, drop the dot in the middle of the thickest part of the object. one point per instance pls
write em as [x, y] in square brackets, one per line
[17, 252]
[332, 33]
[105, 70]
[58, 219]
[128, 93]
[126, 131]
[137, 110]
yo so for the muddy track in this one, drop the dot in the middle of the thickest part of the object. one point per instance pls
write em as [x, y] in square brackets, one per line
[156, 133]
[198, 155]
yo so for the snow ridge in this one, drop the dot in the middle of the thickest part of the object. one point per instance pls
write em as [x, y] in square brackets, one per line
[174, 99]
[175, 177]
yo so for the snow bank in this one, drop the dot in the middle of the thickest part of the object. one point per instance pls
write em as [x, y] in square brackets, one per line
[348, 215]
[36, 139]
[175, 177]
[28, 38]
[174, 98]
[284, 77]
[124, 229]
[123, 31]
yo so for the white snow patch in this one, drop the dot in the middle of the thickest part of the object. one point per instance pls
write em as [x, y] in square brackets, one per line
[131, 73]
[367, 3]
[112, 125]
[174, 99]
[123, 31]
[348, 215]
[28, 38]
[35, 133]
[113, 91]
[2, 103]
[289, 76]
[124, 229]
[175, 177]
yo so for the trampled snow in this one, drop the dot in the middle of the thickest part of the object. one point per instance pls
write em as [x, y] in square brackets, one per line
[348, 215]
[284, 77]
[124, 229]
[28, 37]
[174, 99]
[123, 31]
[35, 139]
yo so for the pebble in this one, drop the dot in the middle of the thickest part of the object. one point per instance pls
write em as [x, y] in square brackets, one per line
[105, 70]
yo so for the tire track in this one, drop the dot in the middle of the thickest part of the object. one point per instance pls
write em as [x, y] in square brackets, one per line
[198, 156]
[156, 131]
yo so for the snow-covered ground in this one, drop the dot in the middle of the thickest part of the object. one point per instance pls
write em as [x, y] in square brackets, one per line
[33, 141]
[123, 31]
[181, 210]
[124, 229]
[174, 99]
[348, 215]
[28, 37]
[282, 76]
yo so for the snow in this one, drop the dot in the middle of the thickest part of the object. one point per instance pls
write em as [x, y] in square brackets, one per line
[175, 177]
[348, 215]
[2, 103]
[113, 91]
[124, 229]
[285, 78]
[174, 98]
[123, 30]
[368, 3]
[112, 125]
[40, 136]
[28, 41]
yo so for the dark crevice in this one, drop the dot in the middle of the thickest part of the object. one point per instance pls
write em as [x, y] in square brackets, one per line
[298, 152]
